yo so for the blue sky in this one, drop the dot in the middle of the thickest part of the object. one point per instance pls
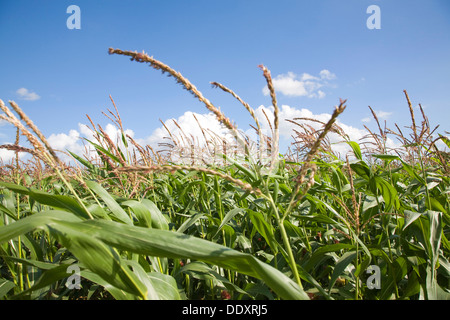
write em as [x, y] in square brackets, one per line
[58, 75]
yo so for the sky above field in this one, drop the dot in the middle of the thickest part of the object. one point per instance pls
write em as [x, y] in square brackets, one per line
[317, 52]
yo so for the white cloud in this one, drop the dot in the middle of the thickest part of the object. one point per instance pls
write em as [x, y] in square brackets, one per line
[63, 141]
[190, 129]
[191, 134]
[186, 130]
[307, 85]
[25, 94]
[304, 76]
[286, 128]
[320, 94]
[6, 155]
[85, 131]
[381, 115]
[326, 74]
[73, 141]
[356, 82]
[441, 145]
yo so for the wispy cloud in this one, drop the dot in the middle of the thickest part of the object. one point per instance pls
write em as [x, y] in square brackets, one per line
[26, 94]
[327, 75]
[381, 115]
[357, 82]
[307, 85]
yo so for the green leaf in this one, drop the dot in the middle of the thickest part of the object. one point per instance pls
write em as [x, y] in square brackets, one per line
[433, 290]
[124, 140]
[319, 253]
[56, 201]
[152, 293]
[84, 162]
[435, 205]
[190, 221]
[388, 192]
[412, 286]
[141, 212]
[306, 276]
[386, 157]
[362, 266]
[201, 270]
[47, 278]
[8, 212]
[169, 244]
[91, 252]
[39, 220]
[230, 215]
[118, 294]
[92, 242]
[165, 285]
[435, 235]
[103, 150]
[332, 210]
[264, 229]
[356, 149]
[398, 270]
[336, 178]
[445, 140]
[412, 172]
[341, 264]
[98, 257]
[410, 217]
[5, 287]
[158, 219]
[319, 218]
[38, 264]
[249, 174]
[92, 168]
[115, 208]
[362, 169]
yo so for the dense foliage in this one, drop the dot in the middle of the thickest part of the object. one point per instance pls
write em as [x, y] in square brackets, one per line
[309, 225]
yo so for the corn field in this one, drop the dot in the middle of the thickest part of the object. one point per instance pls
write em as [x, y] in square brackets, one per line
[241, 222]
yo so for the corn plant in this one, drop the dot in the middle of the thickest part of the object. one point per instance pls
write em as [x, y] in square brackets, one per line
[137, 223]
